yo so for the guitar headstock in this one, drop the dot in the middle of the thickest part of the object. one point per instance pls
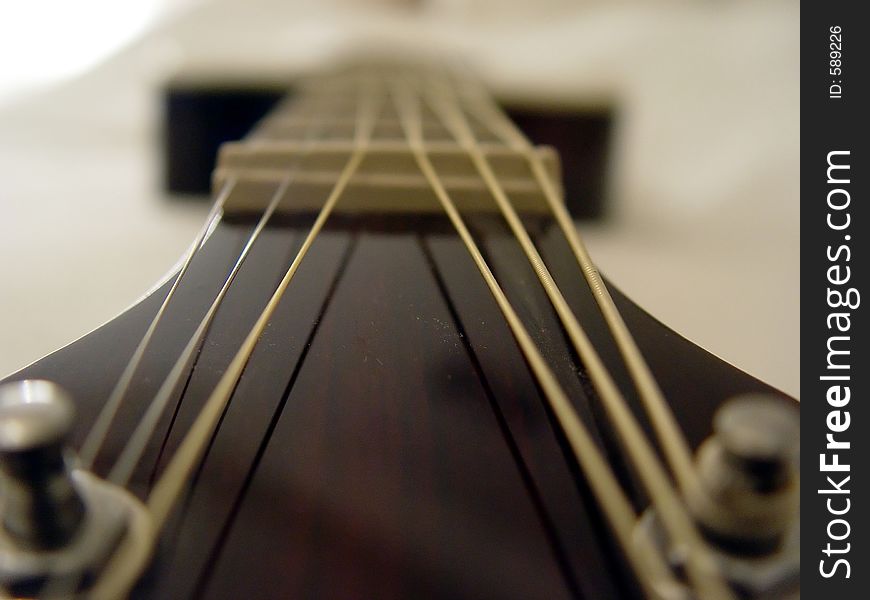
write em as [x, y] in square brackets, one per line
[387, 325]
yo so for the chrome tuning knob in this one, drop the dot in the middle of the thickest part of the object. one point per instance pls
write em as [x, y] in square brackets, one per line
[747, 495]
[745, 500]
[41, 507]
[63, 531]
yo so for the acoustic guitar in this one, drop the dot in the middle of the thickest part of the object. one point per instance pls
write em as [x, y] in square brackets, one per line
[388, 368]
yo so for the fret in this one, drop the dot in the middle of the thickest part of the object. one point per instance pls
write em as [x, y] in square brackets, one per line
[342, 128]
[334, 101]
[393, 141]
[675, 520]
[388, 178]
[291, 126]
[290, 120]
[388, 170]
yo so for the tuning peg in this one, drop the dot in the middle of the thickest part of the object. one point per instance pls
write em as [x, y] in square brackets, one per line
[747, 497]
[41, 507]
[59, 526]
[745, 500]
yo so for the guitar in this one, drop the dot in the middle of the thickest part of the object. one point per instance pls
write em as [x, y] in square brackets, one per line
[387, 367]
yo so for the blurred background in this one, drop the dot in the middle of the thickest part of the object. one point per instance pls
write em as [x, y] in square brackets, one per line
[701, 214]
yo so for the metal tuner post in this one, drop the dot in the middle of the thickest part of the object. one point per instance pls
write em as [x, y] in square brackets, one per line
[746, 499]
[62, 529]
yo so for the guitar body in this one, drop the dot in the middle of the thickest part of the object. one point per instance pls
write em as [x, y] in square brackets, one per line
[386, 438]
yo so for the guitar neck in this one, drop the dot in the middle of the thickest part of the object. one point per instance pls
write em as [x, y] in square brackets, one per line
[311, 135]
[307, 394]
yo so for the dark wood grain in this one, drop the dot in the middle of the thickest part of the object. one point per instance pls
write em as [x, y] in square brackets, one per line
[386, 439]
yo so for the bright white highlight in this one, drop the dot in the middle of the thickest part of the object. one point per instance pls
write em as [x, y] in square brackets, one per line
[46, 41]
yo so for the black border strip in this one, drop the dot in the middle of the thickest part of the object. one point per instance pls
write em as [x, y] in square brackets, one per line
[834, 227]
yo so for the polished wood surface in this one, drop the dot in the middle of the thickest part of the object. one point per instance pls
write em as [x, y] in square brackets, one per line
[386, 438]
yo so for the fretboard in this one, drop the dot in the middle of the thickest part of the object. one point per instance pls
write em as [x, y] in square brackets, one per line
[311, 135]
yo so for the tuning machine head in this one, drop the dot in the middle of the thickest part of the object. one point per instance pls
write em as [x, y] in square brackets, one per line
[745, 498]
[42, 509]
[60, 526]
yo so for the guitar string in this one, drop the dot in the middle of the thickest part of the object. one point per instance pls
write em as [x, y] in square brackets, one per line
[442, 193]
[99, 430]
[225, 527]
[702, 568]
[614, 503]
[668, 432]
[97, 434]
[531, 482]
[170, 484]
[168, 488]
[132, 453]
[655, 478]
[316, 95]
[106, 586]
